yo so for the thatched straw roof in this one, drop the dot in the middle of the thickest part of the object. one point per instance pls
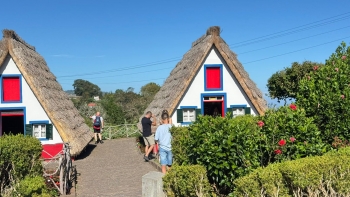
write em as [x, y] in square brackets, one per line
[61, 111]
[183, 74]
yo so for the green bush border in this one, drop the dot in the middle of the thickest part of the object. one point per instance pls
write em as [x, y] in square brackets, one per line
[326, 175]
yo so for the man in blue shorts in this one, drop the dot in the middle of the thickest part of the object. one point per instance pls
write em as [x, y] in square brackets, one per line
[163, 138]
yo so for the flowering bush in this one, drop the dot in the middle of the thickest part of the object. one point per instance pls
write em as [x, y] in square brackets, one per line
[227, 147]
[325, 97]
[289, 122]
[293, 107]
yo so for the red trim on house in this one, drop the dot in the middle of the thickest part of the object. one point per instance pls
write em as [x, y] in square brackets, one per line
[51, 150]
[11, 114]
[11, 89]
[213, 77]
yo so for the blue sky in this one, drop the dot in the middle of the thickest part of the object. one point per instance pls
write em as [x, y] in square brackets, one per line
[130, 43]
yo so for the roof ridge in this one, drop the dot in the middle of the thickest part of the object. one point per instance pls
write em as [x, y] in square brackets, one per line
[10, 34]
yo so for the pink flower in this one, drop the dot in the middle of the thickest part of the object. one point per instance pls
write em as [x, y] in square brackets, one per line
[315, 67]
[292, 139]
[337, 69]
[308, 77]
[282, 142]
[344, 57]
[293, 107]
[342, 96]
[278, 152]
[260, 123]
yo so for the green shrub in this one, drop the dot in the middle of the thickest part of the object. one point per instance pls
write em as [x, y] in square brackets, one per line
[327, 175]
[19, 158]
[227, 147]
[180, 136]
[186, 181]
[289, 134]
[325, 95]
[32, 187]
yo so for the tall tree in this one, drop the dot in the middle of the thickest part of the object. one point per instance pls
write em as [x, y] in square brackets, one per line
[131, 104]
[114, 111]
[86, 89]
[283, 84]
[149, 90]
[325, 95]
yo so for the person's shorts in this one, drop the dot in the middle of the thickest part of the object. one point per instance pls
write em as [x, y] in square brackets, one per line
[149, 141]
[166, 157]
[97, 130]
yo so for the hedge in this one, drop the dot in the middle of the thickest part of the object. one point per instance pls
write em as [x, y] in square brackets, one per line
[327, 175]
[186, 181]
[33, 187]
[19, 158]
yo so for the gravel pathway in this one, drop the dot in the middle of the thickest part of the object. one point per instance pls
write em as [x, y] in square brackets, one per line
[114, 168]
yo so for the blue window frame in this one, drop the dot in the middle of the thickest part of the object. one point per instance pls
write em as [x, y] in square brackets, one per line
[240, 109]
[185, 113]
[223, 94]
[220, 88]
[4, 76]
[39, 125]
[4, 109]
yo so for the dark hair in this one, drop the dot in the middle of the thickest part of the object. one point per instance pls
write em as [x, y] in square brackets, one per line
[149, 112]
[165, 116]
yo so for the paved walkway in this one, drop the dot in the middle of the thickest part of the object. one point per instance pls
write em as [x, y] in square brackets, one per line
[114, 168]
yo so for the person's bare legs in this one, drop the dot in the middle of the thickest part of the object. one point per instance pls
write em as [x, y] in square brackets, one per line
[150, 149]
[163, 169]
[146, 149]
[99, 135]
[95, 137]
[169, 168]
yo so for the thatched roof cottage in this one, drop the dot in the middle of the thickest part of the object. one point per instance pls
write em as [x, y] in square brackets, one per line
[209, 80]
[33, 102]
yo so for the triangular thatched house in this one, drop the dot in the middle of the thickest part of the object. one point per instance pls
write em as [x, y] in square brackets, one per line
[209, 80]
[33, 102]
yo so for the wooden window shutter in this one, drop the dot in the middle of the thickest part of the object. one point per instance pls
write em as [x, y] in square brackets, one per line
[247, 110]
[49, 131]
[29, 130]
[198, 112]
[179, 116]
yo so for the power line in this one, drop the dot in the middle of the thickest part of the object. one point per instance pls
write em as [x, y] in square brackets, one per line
[285, 32]
[294, 51]
[128, 81]
[250, 61]
[243, 43]
[293, 40]
[237, 54]
[125, 74]
[125, 68]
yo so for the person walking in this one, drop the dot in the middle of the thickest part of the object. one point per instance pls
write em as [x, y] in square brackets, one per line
[163, 138]
[98, 125]
[147, 133]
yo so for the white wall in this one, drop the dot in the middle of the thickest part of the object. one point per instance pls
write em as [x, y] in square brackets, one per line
[34, 111]
[235, 94]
